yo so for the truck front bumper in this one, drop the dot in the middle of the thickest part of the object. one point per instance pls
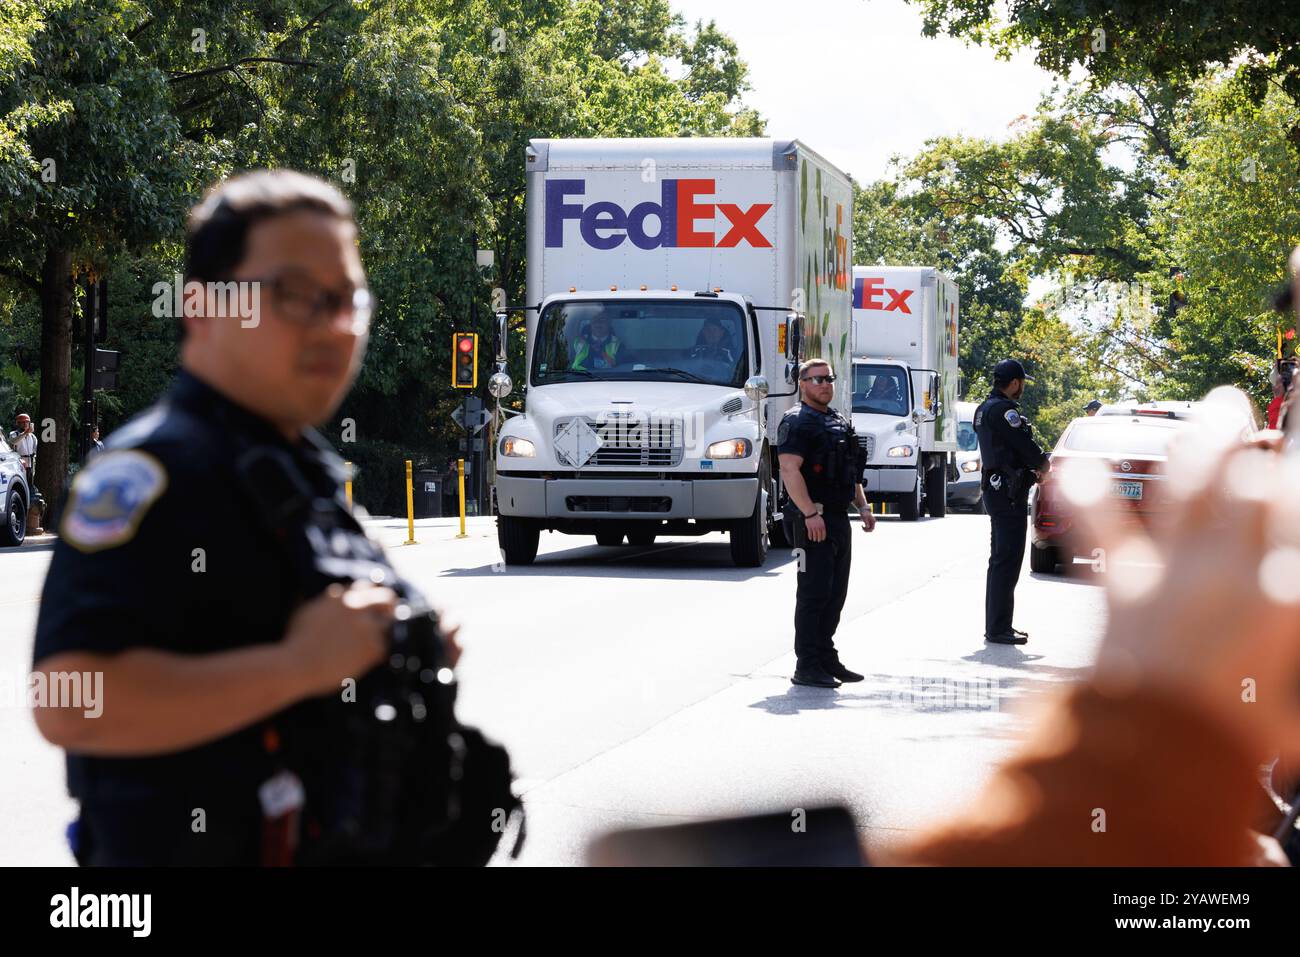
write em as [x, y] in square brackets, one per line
[889, 479]
[625, 498]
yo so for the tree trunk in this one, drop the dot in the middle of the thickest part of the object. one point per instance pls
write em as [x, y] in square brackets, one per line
[56, 373]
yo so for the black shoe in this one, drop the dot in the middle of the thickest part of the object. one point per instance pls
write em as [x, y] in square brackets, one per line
[1008, 639]
[837, 670]
[815, 676]
[1022, 634]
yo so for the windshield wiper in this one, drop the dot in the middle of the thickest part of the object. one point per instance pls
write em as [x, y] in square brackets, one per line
[559, 372]
[680, 372]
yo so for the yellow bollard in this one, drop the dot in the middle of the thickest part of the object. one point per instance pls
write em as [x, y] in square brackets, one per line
[347, 485]
[460, 470]
[410, 508]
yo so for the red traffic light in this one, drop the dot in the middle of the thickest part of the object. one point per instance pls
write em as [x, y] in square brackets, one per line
[464, 368]
[466, 344]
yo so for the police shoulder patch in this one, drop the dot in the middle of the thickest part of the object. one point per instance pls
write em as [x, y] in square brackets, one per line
[109, 499]
[1013, 418]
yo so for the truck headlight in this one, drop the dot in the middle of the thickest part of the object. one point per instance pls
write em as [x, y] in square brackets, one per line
[730, 449]
[518, 448]
[901, 452]
[972, 466]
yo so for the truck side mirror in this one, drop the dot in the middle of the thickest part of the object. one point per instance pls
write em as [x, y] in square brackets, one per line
[503, 323]
[793, 335]
[936, 403]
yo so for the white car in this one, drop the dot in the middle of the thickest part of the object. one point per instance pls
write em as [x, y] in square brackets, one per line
[15, 496]
[964, 490]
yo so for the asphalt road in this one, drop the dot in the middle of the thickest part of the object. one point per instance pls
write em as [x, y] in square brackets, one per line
[651, 685]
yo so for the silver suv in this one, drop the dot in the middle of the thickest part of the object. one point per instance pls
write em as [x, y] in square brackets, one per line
[15, 496]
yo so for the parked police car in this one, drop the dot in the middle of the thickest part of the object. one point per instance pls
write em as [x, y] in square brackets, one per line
[15, 495]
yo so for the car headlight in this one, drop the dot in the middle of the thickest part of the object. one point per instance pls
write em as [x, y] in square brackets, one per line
[518, 448]
[901, 452]
[730, 449]
[972, 466]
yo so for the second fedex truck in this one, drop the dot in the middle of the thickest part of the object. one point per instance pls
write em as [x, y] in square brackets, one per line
[905, 385]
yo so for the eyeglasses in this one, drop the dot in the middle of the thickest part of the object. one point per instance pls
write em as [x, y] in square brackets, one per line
[304, 302]
[819, 379]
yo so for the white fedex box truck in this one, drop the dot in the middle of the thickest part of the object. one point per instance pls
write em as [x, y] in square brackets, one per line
[673, 285]
[905, 384]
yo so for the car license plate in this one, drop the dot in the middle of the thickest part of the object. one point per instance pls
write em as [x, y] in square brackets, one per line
[1126, 489]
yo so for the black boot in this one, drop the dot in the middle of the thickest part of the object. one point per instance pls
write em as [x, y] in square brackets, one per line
[1010, 638]
[813, 674]
[837, 670]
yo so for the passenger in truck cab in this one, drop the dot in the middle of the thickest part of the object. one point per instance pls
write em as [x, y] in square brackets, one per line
[596, 346]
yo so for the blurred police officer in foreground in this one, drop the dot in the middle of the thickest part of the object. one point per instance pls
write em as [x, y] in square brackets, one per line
[821, 468]
[167, 580]
[1012, 463]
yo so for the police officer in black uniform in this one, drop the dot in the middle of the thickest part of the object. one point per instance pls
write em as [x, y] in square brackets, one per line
[821, 468]
[208, 566]
[1012, 463]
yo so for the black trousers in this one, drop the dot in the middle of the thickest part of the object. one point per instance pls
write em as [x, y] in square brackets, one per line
[1009, 524]
[823, 586]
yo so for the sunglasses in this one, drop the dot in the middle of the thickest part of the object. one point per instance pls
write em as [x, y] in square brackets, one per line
[819, 379]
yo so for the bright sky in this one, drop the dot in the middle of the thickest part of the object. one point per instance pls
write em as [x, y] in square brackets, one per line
[856, 80]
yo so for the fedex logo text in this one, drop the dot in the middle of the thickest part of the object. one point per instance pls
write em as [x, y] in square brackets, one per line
[605, 225]
[869, 293]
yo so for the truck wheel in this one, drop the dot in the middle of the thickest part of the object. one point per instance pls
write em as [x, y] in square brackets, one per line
[909, 509]
[14, 529]
[518, 538]
[776, 529]
[749, 535]
[936, 493]
[608, 538]
[1043, 560]
[641, 538]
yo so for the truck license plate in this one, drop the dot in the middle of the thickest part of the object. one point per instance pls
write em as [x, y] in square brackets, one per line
[1131, 490]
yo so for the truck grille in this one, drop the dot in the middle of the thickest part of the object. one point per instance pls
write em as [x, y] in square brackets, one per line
[618, 503]
[635, 442]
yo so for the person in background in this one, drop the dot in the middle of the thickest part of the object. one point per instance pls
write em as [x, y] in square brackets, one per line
[23, 441]
[95, 446]
[1092, 408]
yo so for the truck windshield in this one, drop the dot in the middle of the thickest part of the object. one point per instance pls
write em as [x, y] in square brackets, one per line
[631, 340]
[880, 389]
[967, 440]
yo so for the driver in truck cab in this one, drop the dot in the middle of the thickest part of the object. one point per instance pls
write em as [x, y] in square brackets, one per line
[596, 346]
[884, 395]
[711, 344]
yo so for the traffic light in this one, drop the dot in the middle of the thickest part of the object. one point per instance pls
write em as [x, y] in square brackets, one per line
[464, 360]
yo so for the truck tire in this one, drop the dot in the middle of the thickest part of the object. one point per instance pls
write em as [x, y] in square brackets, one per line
[1043, 560]
[517, 538]
[641, 539]
[776, 529]
[936, 492]
[909, 509]
[749, 541]
[609, 538]
[13, 530]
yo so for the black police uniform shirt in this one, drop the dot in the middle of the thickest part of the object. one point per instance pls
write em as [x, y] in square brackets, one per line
[160, 549]
[1006, 441]
[811, 434]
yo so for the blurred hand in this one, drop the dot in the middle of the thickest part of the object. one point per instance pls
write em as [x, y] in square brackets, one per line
[342, 633]
[868, 519]
[816, 528]
[1209, 609]
[450, 645]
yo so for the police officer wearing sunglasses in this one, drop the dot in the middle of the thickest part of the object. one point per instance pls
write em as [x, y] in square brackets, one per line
[821, 469]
